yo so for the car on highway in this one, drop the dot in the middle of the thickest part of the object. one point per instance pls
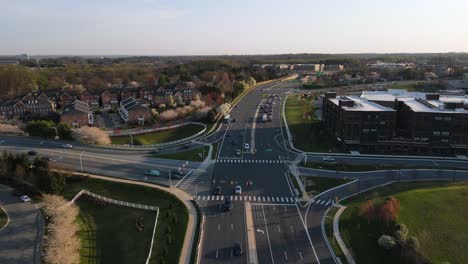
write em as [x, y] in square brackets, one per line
[217, 191]
[329, 159]
[238, 190]
[25, 198]
[32, 153]
[246, 146]
[227, 206]
[238, 152]
[67, 146]
[152, 173]
[154, 151]
[237, 249]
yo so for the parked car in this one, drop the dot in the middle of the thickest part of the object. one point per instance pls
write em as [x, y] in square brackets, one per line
[237, 249]
[227, 206]
[67, 146]
[238, 190]
[25, 198]
[152, 173]
[328, 159]
[32, 153]
[217, 191]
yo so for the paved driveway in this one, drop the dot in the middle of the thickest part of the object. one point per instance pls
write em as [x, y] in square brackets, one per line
[20, 240]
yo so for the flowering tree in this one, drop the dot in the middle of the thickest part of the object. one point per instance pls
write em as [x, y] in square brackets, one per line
[91, 135]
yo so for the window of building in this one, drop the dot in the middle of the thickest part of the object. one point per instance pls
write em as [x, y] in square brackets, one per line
[436, 133]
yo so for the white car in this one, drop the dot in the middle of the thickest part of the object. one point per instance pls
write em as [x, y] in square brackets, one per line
[328, 159]
[246, 146]
[238, 152]
[238, 189]
[67, 146]
[25, 198]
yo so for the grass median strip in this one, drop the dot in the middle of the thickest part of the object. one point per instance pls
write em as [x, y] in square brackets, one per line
[157, 137]
[435, 214]
[108, 232]
[315, 185]
[191, 155]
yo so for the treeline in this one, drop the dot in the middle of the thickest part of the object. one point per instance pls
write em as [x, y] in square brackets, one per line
[32, 178]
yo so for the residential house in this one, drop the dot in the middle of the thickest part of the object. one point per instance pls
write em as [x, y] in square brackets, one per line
[30, 105]
[128, 91]
[133, 112]
[91, 98]
[77, 114]
[110, 98]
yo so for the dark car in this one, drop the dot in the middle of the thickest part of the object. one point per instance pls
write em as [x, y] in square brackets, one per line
[217, 191]
[237, 249]
[32, 153]
[227, 206]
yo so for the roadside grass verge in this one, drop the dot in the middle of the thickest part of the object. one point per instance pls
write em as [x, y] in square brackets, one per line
[333, 166]
[215, 150]
[190, 155]
[295, 184]
[3, 218]
[157, 137]
[315, 185]
[305, 128]
[434, 212]
[329, 231]
[170, 231]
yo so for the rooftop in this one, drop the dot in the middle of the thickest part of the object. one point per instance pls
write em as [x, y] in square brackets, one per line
[360, 104]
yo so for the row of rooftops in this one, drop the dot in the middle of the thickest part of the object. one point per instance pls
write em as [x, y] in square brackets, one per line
[416, 101]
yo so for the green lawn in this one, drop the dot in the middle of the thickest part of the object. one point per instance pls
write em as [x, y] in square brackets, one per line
[159, 136]
[215, 150]
[116, 240]
[315, 185]
[435, 213]
[108, 233]
[191, 155]
[3, 217]
[307, 133]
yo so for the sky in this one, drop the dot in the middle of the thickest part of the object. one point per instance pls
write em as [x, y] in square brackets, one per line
[221, 27]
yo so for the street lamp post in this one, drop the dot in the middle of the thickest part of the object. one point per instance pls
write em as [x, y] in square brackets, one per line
[81, 161]
[56, 133]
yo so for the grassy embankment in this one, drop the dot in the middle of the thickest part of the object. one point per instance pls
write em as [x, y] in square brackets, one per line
[108, 233]
[159, 136]
[435, 213]
[305, 127]
[3, 217]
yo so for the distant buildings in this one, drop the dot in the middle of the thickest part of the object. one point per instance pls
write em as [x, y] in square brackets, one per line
[391, 66]
[400, 122]
[77, 114]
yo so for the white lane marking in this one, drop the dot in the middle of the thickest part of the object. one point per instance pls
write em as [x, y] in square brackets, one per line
[292, 229]
[279, 230]
[300, 254]
[232, 227]
[286, 255]
[216, 253]
[268, 236]
[219, 227]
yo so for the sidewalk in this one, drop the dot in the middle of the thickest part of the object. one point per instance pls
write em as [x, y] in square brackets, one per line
[192, 223]
[336, 233]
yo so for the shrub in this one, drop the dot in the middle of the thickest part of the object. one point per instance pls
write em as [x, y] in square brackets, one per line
[64, 131]
[91, 135]
[387, 242]
[402, 233]
[41, 128]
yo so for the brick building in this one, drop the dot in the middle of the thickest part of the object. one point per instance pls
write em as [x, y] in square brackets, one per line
[77, 114]
[133, 112]
[91, 98]
[422, 124]
[31, 105]
[110, 98]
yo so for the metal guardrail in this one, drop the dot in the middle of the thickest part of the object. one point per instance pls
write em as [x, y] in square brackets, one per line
[113, 201]
[159, 145]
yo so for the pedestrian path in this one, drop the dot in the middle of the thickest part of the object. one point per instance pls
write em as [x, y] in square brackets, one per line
[248, 198]
[248, 161]
[188, 180]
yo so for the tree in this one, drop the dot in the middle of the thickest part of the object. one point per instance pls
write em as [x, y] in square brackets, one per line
[368, 210]
[163, 79]
[41, 128]
[91, 135]
[388, 212]
[170, 101]
[15, 81]
[64, 131]
[62, 243]
[180, 101]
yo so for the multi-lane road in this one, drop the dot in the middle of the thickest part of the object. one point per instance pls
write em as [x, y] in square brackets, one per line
[266, 218]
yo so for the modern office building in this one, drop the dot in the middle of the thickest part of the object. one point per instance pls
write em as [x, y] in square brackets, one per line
[406, 123]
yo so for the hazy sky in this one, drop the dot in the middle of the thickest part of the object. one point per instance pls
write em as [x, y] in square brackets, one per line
[183, 27]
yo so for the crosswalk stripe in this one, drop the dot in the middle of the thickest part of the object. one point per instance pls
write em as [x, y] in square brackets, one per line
[198, 197]
[327, 203]
[268, 199]
[281, 199]
[203, 197]
[323, 201]
[217, 197]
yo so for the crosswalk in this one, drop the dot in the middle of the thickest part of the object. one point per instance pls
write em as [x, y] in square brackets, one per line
[188, 181]
[248, 161]
[248, 198]
[322, 202]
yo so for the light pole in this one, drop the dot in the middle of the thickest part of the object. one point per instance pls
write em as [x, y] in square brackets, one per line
[81, 161]
[56, 133]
